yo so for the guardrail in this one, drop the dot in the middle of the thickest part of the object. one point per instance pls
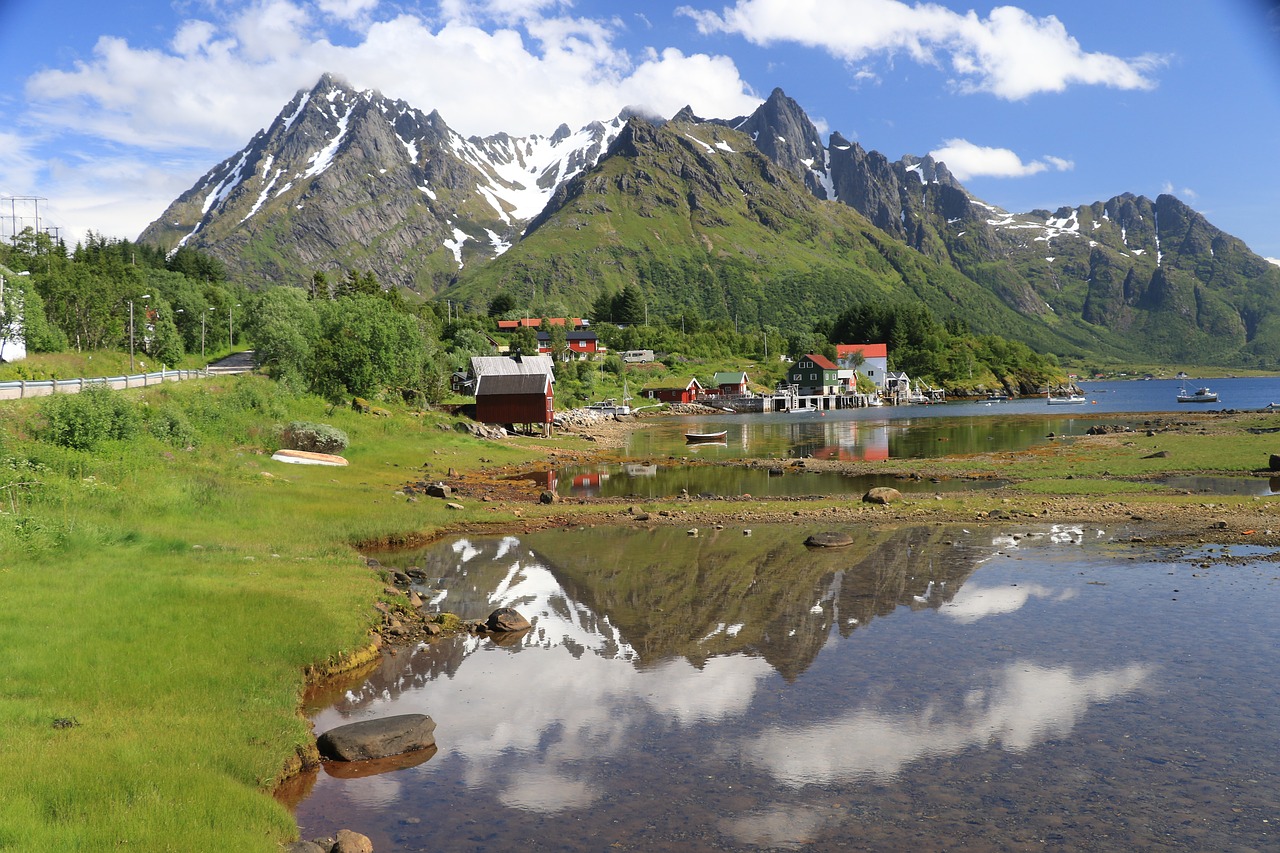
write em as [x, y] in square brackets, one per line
[20, 389]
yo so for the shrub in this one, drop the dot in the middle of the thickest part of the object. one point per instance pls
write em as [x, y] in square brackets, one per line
[317, 438]
[171, 426]
[83, 421]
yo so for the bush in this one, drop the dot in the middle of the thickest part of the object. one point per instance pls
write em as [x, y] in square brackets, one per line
[85, 420]
[316, 438]
[171, 426]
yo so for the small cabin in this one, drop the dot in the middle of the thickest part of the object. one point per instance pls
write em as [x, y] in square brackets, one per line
[674, 392]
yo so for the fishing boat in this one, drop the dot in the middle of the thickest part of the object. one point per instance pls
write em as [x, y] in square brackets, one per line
[700, 437]
[610, 407]
[1201, 395]
[1066, 399]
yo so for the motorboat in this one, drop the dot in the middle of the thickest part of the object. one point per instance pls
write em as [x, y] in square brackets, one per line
[1066, 399]
[1201, 395]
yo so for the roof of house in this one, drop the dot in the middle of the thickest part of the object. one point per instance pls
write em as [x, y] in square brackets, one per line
[524, 383]
[821, 360]
[864, 350]
[672, 385]
[572, 336]
[729, 377]
[534, 322]
[501, 365]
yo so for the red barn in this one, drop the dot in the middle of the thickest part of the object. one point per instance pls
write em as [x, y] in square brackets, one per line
[526, 399]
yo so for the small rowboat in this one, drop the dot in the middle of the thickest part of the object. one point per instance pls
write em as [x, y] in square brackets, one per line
[306, 457]
[697, 437]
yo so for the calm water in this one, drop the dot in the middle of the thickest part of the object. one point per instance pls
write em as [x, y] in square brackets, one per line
[930, 431]
[927, 688]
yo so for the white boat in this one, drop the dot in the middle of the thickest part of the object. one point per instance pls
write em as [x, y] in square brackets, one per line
[1201, 395]
[699, 437]
[609, 407]
[1066, 400]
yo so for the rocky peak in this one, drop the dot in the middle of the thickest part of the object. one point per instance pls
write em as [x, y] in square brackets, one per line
[783, 132]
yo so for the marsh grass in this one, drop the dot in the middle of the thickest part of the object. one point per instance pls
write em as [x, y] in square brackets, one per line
[161, 601]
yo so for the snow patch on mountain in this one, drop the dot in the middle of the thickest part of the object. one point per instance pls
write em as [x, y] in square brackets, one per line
[323, 159]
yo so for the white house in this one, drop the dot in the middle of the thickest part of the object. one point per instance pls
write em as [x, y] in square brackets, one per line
[874, 363]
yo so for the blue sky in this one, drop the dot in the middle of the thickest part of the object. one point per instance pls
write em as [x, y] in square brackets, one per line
[110, 110]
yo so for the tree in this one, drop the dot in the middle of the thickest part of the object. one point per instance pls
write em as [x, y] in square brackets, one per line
[366, 346]
[557, 340]
[501, 304]
[629, 306]
[284, 328]
[165, 342]
[524, 341]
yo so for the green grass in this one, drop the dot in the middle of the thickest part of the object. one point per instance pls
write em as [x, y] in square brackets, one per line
[168, 600]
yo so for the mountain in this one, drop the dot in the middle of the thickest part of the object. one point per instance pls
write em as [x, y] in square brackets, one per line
[751, 220]
[345, 179]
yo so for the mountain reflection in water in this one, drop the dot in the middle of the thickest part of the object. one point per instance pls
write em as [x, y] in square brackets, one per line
[737, 692]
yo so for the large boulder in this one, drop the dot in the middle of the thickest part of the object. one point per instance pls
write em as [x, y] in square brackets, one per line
[1274, 463]
[506, 620]
[882, 495]
[829, 539]
[378, 738]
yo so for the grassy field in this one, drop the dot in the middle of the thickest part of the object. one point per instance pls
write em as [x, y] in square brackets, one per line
[160, 602]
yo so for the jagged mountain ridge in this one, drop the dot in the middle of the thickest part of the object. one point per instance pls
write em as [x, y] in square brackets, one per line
[346, 179]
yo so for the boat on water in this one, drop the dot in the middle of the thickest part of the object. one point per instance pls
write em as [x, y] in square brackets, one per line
[997, 398]
[700, 437]
[1066, 399]
[1201, 395]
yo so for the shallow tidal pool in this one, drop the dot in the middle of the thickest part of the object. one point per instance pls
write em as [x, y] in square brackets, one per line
[926, 688]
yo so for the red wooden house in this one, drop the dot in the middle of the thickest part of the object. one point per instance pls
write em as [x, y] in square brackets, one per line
[673, 392]
[518, 399]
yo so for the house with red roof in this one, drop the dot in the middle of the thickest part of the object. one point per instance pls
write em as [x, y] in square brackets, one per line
[815, 374]
[871, 360]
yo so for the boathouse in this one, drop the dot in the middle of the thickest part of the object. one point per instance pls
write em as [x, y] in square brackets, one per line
[519, 400]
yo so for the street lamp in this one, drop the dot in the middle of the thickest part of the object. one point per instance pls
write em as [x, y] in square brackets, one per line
[144, 296]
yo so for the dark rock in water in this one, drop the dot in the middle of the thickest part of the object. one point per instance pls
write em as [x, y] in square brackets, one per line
[775, 472]
[506, 619]
[378, 738]
[830, 539]
[308, 847]
[1274, 464]
[881, 495]
[351, 842]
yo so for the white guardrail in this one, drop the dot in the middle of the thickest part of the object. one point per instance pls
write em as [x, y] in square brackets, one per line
[22, 388]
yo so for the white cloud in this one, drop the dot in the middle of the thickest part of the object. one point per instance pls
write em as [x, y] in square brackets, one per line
[966, 160]
[1023, 705]
[1010, 54]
